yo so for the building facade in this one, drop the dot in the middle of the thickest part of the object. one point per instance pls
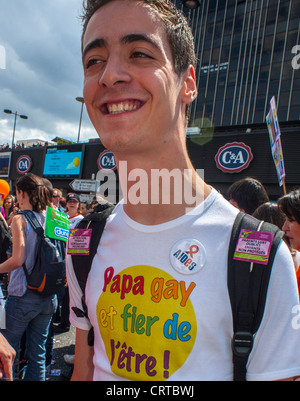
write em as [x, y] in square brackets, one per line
[248, 51]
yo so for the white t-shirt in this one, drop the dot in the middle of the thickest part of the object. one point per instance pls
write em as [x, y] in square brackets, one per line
[75, 220]
[158, 301]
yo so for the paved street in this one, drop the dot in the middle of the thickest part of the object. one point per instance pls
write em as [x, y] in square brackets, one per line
[63, 344]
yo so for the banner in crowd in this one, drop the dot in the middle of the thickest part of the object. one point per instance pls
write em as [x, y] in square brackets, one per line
[275, 142]
[57, 225]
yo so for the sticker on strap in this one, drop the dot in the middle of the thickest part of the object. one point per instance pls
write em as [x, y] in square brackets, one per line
[79, 241]
[253, 246]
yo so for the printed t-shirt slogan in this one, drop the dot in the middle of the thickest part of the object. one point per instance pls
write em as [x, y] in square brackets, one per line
[147, 322]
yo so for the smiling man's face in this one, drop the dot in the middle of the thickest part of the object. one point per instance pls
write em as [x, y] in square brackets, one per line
[131, 89]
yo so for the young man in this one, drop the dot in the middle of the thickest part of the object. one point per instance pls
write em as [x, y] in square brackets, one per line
[157, 293]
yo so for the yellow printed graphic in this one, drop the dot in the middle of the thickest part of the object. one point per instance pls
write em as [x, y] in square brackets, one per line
[147, 322]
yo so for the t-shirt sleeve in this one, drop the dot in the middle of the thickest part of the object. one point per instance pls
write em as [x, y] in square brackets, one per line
[276, 351]
[75, 297]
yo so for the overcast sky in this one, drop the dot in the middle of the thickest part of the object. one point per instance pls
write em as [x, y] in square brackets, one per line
[43, 73]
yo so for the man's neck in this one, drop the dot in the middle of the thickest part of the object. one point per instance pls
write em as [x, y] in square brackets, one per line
[161, 190]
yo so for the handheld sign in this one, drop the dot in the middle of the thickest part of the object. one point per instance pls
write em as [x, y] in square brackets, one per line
[275, 142]
[57, 225]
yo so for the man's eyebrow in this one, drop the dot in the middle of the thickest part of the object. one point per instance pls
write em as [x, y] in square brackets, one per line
[95, 44]
[139, 37]
[127, 39]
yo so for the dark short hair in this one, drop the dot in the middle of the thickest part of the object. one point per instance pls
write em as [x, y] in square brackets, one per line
[270, 213]
[178, 30]
[290, 205]
[248, 193]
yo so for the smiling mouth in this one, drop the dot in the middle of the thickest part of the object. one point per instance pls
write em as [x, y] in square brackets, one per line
[121, 107]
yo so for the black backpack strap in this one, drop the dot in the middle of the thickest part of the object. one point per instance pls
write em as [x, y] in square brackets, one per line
[82, 263]
[248, 286]
[35, 224]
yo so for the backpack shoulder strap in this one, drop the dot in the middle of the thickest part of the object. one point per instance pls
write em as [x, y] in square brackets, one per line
[82, 263]
[248, 286]
[35, 224]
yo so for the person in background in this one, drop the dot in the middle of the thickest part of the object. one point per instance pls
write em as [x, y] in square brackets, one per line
[247, 194]
[8, 208]
[63, 204]
[270, 213]
[7, 356]
[290, 206]
[26, 310]
[84, 206]
[56, 198]
[73, 209]
[74, 213]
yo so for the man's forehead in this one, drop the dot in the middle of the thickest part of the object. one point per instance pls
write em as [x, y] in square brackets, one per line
[109, 21]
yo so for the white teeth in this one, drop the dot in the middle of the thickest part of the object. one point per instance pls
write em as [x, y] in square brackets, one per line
[121, 108]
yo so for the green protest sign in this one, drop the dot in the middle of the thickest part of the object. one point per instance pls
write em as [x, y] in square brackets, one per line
[57, 225]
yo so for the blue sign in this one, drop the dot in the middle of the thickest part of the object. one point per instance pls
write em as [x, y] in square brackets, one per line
[62, 163]
[233, 157]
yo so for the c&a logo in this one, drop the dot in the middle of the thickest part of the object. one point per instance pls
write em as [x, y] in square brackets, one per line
[233, 157]
[24, 164]
[106, 161]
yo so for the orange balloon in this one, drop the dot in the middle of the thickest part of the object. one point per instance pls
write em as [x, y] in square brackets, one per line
[4, 188]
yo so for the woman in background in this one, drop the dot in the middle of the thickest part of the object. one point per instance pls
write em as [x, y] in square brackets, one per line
[27, 310]
[73, 209]
[8, 208]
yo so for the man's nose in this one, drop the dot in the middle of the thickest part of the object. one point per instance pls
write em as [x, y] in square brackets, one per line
[115, 72]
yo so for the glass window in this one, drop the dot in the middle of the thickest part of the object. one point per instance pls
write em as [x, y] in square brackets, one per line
[271, 16]
[267, 49]
[295, 9]
[278, 48]
[286, 76]
[283, 12]
[218, 112]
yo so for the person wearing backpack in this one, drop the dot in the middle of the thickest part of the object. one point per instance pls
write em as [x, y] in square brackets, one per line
[27, 310]
[157, 304]
[289, 205]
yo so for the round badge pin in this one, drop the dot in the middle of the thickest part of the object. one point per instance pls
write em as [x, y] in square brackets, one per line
[188, 256]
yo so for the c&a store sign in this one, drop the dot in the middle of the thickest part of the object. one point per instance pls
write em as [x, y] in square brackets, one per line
[233, 157]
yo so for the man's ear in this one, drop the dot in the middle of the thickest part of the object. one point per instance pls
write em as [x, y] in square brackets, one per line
[189, 92]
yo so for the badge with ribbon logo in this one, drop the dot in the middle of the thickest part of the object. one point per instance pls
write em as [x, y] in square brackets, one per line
[188, 256]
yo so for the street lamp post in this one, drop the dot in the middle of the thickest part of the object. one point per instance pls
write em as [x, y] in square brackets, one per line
[80, 100]
[15, 123]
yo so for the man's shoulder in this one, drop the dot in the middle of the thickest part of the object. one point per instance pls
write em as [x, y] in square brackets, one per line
[217, 211]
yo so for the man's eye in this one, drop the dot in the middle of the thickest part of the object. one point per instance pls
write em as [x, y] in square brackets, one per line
[92, 62]
[138, 54]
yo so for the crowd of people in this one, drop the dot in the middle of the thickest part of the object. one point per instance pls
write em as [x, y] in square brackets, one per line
[31, 319]
[250, 196]
[33, 339]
